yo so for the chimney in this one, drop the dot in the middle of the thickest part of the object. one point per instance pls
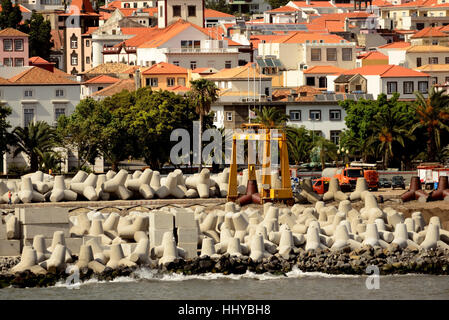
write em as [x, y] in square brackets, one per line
[137, 80]
[346, 24]
[308, 2]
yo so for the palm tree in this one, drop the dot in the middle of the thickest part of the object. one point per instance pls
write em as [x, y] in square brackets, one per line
[325, 150]
[202, 94]
[271, 117]
[389, 130]
[299, 144]
[34, 140]
[433, 114]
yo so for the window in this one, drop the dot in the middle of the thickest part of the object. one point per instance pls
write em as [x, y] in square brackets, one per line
[446, 80]
[322, 82]
[228, 116]
[335, 136]
[192, 65]
[18, 45]
[197, 44]
[295, 115]
[87, 43]
[28, 93]
[310, 81]
[228, 64]
[176, 11]
[152, 82]
[315, 54]
[331, 54]
[418, 62]
[334, 114]
[433, 60]
[181, 81]
[434, 80]
[74, 59]
[7, 45]
[73, 42]
[161, 11]
[392, 87]
[170, 82]
[87, 60]
[346, 54]
[176, 63]
[191, 11]
[59, 92]
[423, 86]
[99, 88]
[315, 115]
[7, 62]
[18, 62]
[28, 116]
[59, 112]
[408, 87]
[434, 42]
[446, 60]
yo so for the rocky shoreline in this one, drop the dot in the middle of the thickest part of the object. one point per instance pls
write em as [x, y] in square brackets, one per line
[389, 261]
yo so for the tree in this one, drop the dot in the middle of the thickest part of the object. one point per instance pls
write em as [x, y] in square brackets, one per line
[6, 138]
[34, 140]
[325, 150]
[219, 5]
[299, 141]
[81, 131]
[39, 31]
[271, 117]
[10, 16]
[202, 94]
[433, 115]
[277, 3]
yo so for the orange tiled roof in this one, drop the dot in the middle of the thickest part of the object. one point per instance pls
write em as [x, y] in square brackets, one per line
[38, 60]
[429, 32]
[11, 32]
[178, 88]
[374, 55]
[396, 45]
[102, 79]
[57, 36]
[386, 71]
[284, 9]
[302, 37]
[36, 75]
[4, 81]
[125, 84]
[242, 72]
[204, 70]
[210, 13]
[164, 68]
[325, 70]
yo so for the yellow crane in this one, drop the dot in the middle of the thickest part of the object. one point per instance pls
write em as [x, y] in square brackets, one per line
[268, 194]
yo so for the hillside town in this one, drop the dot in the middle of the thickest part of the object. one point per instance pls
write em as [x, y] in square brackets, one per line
[302, 58]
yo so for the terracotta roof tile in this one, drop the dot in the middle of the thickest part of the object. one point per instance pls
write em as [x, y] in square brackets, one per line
[324, 69]
[22, 9]
[11, 32]
[164, 68]
[108, 68]
[396, 45]
[386, 71]
[374, 55]
[102, 79]
[284, 9]
[435, 48]
[126, 84]
[210, 13]
[241, 72]
[38, 60]
[57, 36]
[303, 37]
[36, 75]
[429, 32]
[434, 68]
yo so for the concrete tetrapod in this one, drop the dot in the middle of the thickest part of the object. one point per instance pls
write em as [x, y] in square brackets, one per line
[401, 235]
[372, 237]
[28, 261]
[128, 231]
[116, 185]
[4, 198]
[308, 193]
[170, 251]
[101, 179]
[60, 192]
[208, 248]
[86, 188]
[82, 225]
[86, 255]
[58, 238]
[12, 227]
[141, 184]
[334, 192]
[258, 248]
[27, 193]
[141, 255]
[313, 241]
[96, 229]
[56, 260]
[360, 186]
[42, 253]
[342, 239]
[415, 192]
[37, 179]
[286, 244]
[432, 237]
[442, 191]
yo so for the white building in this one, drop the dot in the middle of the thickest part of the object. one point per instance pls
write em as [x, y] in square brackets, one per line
[35, 94]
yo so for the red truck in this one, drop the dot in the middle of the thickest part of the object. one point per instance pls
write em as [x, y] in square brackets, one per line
[347, 178]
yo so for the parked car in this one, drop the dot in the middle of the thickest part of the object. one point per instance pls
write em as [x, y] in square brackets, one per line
[384, 183]
[397, 182]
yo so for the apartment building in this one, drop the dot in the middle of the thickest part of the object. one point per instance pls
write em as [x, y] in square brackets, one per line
[165, 76]
[14, 49]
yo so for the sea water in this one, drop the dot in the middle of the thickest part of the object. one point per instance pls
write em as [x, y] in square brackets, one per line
[295, 285]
